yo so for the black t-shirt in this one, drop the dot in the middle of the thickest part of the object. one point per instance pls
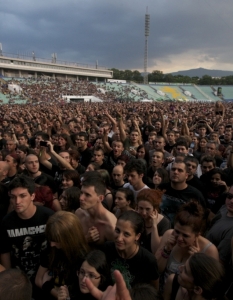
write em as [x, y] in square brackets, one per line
[25, 239]
[80, 169]
[46, 180]
[229, 176]
[162, 226]
[172, 199]
[141, 268]
[115, 188]
[57, 173]
[85, 157]
[169, 148]
[43, 169]
[218, 160]
[104, 166]
[196, 182]
[112, 161]
[150, 173]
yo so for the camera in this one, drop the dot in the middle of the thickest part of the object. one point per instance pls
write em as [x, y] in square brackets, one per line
[43, 143]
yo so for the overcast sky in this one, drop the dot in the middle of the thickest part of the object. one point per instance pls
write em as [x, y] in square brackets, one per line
[184, 34]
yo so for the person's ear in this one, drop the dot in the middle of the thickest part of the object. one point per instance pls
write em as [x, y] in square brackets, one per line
[33, 196]
[137, 237]
[101, 198]
[197, 290]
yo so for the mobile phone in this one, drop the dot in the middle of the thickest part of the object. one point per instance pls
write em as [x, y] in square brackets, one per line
[43, 143]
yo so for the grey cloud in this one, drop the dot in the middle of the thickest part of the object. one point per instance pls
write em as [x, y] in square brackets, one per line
[113, 31]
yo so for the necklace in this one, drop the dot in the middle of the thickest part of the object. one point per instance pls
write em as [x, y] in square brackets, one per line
[131, 255]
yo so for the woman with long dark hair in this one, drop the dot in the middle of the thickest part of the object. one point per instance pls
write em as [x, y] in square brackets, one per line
[64, 143]
[200, 278]
[69, 199]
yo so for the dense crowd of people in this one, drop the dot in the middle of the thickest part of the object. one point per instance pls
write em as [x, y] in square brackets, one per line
[51, 90]
[115, 200]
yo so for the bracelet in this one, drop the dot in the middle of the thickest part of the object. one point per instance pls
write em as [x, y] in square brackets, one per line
[164, 255]
[119, 119]
[168, 252]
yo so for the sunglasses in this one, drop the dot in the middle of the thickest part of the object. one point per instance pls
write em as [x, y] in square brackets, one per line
[229, 196]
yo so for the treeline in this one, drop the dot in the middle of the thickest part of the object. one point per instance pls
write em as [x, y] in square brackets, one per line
[158, 76]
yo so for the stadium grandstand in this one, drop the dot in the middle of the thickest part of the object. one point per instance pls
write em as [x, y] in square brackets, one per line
[24, 80]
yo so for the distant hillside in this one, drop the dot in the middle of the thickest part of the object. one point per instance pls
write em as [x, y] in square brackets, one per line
[201, 72]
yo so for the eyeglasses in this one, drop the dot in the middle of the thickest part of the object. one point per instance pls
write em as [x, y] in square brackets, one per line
[83, 274]
[229, 196]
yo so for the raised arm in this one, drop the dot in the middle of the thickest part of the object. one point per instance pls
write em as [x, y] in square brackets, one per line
[107, 147]
[164, 129]
[43, 159]
[64, 163]
[155, 238]
[164, 249]
[121, 127]
[135, 123]
[113, 121]
[208, 127]
[184, 128]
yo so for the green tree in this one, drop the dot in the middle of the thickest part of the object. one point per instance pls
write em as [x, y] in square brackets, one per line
[136, 76]
[116, 73]
[206, 80]
[128, 75]
[156, 76]
[169, 78]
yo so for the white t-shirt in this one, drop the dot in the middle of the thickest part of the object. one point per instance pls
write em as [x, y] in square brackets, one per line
[129, 186]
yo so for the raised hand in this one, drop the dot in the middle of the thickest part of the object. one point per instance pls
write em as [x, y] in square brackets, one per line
[154, 217]
[117, 292]
[171, 241]
[195, 247]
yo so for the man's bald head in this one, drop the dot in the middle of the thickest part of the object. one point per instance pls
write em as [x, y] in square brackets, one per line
[30, 156]
[118, 175]
[32, 164]
[4, 169]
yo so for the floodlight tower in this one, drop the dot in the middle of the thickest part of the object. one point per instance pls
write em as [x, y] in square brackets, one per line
[147, 30]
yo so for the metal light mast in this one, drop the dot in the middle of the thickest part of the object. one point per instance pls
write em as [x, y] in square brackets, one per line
[147, 30]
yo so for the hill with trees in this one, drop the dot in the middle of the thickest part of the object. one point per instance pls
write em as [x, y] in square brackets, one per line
[159, 76]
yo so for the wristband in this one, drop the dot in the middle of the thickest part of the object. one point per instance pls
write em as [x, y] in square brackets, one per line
[168, 252]
[164, 254]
